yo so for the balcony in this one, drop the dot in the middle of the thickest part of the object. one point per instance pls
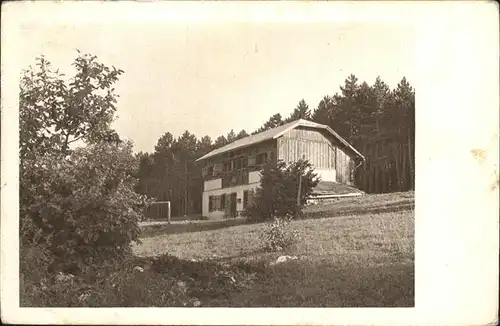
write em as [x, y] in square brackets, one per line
[235, 178]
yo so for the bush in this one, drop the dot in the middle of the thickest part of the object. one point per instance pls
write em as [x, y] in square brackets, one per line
[279, 235]
[279, 185]
[82, 208]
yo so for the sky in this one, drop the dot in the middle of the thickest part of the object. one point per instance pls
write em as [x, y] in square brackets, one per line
[211, 77]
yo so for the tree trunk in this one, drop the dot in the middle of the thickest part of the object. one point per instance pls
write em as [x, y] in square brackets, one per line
[398, 176]
[410, 159]
[185, 188]
[376, 170]
[365, 179]
[297, 210]
[384, 177]
[389, 175]
[405, 167]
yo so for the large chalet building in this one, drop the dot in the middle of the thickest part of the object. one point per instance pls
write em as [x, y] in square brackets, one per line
[231, 173]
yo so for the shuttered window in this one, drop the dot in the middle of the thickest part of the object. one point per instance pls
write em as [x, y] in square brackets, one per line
[216, 203]
[262, 158]
[245, 199]
[250, 196]
[222, 202]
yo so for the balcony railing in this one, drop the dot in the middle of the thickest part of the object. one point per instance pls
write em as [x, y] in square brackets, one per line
[235, 178]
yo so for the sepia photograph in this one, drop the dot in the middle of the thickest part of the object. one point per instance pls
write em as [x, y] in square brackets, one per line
[215, 163]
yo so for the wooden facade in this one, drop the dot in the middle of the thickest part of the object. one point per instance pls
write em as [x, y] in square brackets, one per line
[321, 149]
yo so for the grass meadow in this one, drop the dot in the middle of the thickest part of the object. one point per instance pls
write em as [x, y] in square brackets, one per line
[356, 252]
[365, 260]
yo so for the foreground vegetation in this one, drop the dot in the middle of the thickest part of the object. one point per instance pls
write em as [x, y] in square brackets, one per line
[349, 261]
[362, 205]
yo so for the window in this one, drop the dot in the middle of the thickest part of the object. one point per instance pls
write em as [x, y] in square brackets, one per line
[217, 168]
[237, 163]
[251, 161]
[227, 166]
[261, 158]
[210, 170]
[215, 203]
[222, 202]
[244, 177]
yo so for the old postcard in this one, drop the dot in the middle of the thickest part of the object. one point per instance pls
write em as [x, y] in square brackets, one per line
[249, 163]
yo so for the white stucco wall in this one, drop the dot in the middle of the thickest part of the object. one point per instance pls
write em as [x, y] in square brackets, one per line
[326, 174]
[254, 182]
[212, 184]
[254, 177]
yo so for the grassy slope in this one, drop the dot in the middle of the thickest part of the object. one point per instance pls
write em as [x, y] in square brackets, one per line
[357, 260]
[371, 236]
[346, 261]
[363, 205]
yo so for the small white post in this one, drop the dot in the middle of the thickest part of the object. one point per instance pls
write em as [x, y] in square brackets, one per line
[168, 212]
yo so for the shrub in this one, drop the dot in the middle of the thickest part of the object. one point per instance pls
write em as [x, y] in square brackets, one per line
[279, 186]
[82, 208]
[77, 206]
[279, 235]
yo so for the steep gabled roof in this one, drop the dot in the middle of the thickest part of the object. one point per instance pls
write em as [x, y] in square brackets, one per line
[276, 133]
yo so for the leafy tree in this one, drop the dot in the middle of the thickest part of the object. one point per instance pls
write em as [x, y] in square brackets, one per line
[273, 122]
[176, 176]
[80, 204]
[242, 134]
[158, 185]
[204, 145]
[403, 106]
[300, 112]
[348, 111]
[145, 171]
[185, 152]
[231, 136]
[324, 112]
[164, 143]
[380, 123]
[279, 186]
[54, 114]
[367, 107]
[220, 141]
[404, 98]
[382, 93]
[84, 208]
